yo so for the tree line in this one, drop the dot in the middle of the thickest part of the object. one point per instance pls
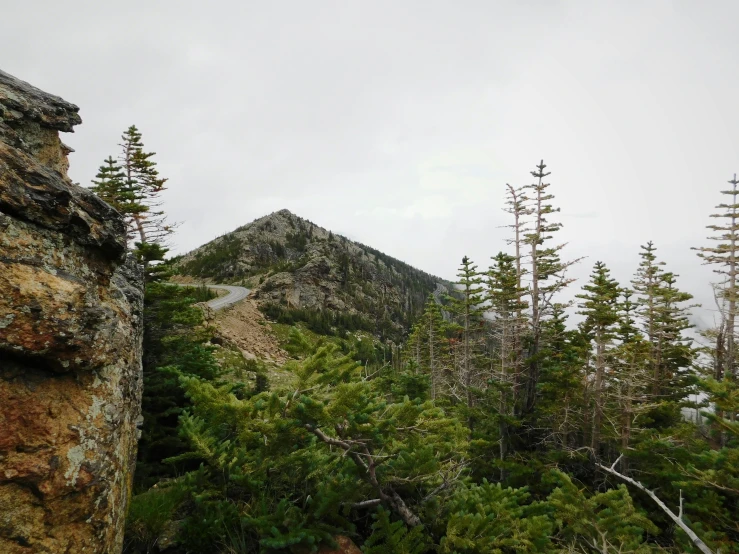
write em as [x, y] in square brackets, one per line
[496, 427]
[612, 394]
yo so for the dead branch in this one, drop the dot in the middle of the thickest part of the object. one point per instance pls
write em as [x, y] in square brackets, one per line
[680, 523]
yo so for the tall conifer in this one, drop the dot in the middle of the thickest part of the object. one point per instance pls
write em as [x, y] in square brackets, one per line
[506, 299]
[111, 185]
[600, 307]
[547, 274]
[468, 311]
[725, 255]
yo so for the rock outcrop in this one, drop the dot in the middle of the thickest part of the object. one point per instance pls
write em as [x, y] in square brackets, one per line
[70, 342]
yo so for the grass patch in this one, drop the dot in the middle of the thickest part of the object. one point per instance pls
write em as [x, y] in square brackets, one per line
[150, 512]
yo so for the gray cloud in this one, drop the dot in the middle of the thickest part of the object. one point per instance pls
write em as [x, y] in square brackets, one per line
[399, 123]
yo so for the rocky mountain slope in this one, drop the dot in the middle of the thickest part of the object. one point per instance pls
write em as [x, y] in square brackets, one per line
[298, 269]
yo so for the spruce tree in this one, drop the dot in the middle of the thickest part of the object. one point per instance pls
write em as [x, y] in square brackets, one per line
[630, 387]
[468, 310]
[647, 283]
[677, 352]
[434, 328]
[506, 299]
[599, 305]
[133, 186]
[141, 178]
[661, 309]
[547, 272]
[560, 408]
[111, 185]
[427, 347]
[518, 206]
[725, 255]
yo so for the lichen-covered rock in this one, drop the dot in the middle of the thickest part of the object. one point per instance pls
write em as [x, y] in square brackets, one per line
[70, 342]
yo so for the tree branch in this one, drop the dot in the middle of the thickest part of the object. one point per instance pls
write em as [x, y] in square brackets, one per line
[391, 498]
[365, 503]
[678, 520]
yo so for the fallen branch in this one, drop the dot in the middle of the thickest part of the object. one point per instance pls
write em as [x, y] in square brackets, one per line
[364, 504]
[677, 519]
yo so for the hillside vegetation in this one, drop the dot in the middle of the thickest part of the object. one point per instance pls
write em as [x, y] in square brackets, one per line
[494, 427]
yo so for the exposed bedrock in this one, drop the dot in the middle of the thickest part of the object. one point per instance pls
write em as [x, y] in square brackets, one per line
[70, 342]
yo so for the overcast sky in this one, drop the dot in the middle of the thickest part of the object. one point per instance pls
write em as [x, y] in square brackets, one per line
[398, 123]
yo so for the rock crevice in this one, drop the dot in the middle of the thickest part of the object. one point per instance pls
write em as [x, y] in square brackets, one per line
[70, 341]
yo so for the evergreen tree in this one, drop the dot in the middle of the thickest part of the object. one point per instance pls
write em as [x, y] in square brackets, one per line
[174, 345]
[647, 284]
[506, 299]
[725, 255]
[488, 518]
[142, 176]
[599, 305]
[547, 272]
[560, 409]
[677, 353]
[110, 185]
[631, 383]
[395, 537]
[467, 310]
[134, 187]
[518, 205]
[428, 346]
[606, 522]
[661, 309]
[330, 420]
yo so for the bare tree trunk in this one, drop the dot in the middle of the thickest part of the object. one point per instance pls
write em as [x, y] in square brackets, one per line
[432, 365]
[467, 372]
[533, 376]
[517, 342]
[731, 320]
[140, 228]
[502, 428]
[626, 431]
[598, 393]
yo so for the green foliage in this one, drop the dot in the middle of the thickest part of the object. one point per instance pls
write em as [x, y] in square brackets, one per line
[605, 522]
[477, 433]
[216, 261]
[327, 322]
[490, 519]
[394, 536]
[203, 293]
[599, 303]
[148, 252]
[296, 241]
[286, 466]
[111, 185]
[132, 185]
[174, 344]
[150, 512]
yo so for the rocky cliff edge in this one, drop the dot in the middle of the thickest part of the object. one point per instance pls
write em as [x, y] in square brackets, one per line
[70, 341]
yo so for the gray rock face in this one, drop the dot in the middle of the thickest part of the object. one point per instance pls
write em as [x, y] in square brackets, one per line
[70, 342]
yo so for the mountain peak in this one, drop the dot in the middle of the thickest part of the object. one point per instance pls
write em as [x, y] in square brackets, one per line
[292, 265]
